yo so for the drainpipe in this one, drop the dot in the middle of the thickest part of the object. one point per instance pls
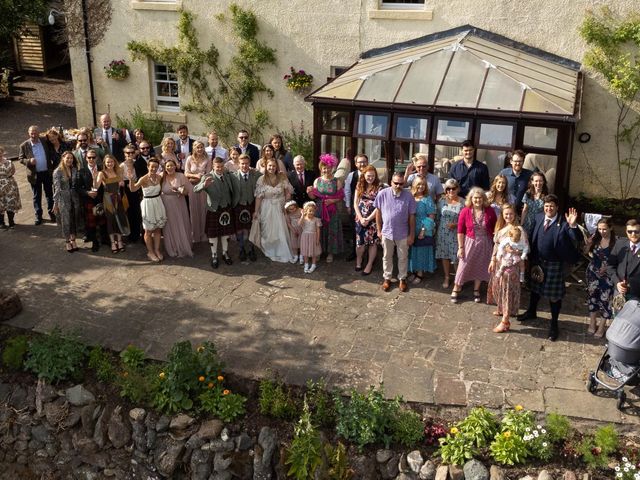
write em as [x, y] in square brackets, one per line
[85, 24]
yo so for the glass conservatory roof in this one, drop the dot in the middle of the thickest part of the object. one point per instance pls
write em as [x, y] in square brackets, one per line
[465, 68]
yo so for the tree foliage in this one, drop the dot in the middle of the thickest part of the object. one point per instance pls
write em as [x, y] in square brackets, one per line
[614, 54]
[232, 100]
[15, 15]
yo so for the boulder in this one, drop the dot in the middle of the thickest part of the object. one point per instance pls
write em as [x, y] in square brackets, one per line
[200, 465]
[455, 472]
[118, 430]
[41, 434]
[181, 422]
[475, 470]
[415, 461]
[79, 396]
[496, 473]
[428, 471]
[167, 453]
[244, 442]
[569, 475]
[384, 455]
[544, 475]
[10, 304]
[222, 461]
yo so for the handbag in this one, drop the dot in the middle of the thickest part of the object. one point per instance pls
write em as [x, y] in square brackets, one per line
[426, 241]
[537, 274]
[98, 210]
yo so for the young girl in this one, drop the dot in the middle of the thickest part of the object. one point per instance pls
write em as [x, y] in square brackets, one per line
[512, 251]
[292, 216]
[310, 247]
[599, 285]
[533, 202]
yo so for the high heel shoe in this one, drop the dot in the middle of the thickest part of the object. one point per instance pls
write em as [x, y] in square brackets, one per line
[74, 246]
[114, 247]
[454, 296]
[121, 247]
[502, 327]
[476, 296]
[69, 247]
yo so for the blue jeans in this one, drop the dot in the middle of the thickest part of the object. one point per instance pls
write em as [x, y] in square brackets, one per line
[43, 180]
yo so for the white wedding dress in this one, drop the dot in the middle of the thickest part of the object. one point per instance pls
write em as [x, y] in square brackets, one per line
[274, 234]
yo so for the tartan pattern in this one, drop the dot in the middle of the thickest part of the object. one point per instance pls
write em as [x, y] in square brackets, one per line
[553, 285]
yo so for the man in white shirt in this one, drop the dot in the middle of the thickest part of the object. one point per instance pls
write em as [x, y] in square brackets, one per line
[111, 139]
[419, 168]
[215, 149]
[32, 155]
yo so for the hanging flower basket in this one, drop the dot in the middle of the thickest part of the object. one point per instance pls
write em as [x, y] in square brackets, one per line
[117, 69]
[298, 80]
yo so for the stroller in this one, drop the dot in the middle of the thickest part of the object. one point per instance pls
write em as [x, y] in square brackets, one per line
[620, 362]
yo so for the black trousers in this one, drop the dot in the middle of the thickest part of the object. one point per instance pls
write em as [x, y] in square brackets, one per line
[43, 181]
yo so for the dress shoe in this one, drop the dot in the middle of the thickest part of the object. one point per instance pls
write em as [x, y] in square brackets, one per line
[386, 285]
[85, 239]
[351, 257]
[526, 316]
[214, 262]
[52, 217]
[38, 221]
[227, 259]
[553, 333]
[252, 255]
[3, 227]
[95, 246]
[242, 256]
[403, 285]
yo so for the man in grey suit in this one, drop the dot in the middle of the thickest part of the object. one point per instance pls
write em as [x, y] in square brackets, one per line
[247, 179]
[33, 155]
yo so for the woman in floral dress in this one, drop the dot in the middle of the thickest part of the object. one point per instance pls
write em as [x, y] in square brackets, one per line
[599, 285]
[115, 203]
[533, 201]
[9, 193]
[366, 232]
[66, 201]
[447, 212]
[327, 192]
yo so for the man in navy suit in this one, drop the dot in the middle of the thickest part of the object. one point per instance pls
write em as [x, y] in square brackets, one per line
[300, 179]
[248, 148]
[623, 265]
[111, 139]
[553, 243]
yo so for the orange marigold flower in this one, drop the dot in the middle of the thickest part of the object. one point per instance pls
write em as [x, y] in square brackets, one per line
[161, 375]
[226, 392]
[201, 378]
[220, 378]
[210, 385]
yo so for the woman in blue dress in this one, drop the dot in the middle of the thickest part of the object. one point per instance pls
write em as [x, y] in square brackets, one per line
[421, 257]
[599, 285]
[447, 213]
[533, 201]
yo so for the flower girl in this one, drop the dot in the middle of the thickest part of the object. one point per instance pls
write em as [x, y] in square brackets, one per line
[310, 247]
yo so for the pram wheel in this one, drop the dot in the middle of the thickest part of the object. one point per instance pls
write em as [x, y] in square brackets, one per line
[622, 397]
[591, 383]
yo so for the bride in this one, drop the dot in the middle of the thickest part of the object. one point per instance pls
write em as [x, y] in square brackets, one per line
[270, 232]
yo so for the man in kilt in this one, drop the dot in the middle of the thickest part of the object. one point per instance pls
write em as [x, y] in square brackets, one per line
[553, 243]
[247, 178]
[222, 195]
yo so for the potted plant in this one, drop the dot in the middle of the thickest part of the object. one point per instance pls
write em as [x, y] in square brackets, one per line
[117, 69]
[298, 80]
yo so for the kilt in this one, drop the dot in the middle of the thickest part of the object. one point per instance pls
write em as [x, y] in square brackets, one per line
[553, 285]
[243, 215]
[220, 223]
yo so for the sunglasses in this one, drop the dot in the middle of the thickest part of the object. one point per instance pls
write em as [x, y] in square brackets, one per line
[633, 232]
[91, 158]
[145, 148]
[243, 138]
[129, 153]
[421, 166]
[450, 189]
[399, 184]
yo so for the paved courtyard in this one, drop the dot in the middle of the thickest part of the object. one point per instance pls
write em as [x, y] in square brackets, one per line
[334, 324]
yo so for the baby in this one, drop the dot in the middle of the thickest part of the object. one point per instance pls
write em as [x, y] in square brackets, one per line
[512, 251]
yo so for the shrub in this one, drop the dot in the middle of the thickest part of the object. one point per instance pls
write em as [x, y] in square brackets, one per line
[304, 456]
[151, 124]
[479, 426]
[320, 403]
[220, 402]
[132, 357]
[101, 363]
[509, 448]
[138, 384]
[407, 427]
[299, 141]
[558, 427]
[339, 468]
[365, 418]
[56, 357]
[596, 449]
[433, 432]
[456, 448]
[276, 400]
[14, 352]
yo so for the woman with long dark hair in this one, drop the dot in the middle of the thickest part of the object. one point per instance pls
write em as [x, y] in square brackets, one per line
[599, 285]
[66, 201]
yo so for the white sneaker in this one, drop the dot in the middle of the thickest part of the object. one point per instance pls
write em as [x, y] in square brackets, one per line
[312, 268]
[306, 268]
[293, 260]
[301, 260]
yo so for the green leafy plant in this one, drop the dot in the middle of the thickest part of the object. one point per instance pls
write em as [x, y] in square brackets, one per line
[138, 384]
[218, 401]
[276, 400]
[456, 448]
[151, 124]
[304, 456]
[14, 352]
[365, 418]
[596, 449]
[320, 403]
[479, 426]
[117, 69]
[298, 80]
[509, 448]
[56, 357]
[299, 141]
[339, 468]
[102, 363]
[132, 357]
[226, 98]
[627, 470]
[558, 427]
[407, 427]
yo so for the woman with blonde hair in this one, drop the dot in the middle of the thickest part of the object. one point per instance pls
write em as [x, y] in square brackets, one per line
[498, 194]
[198, 164]
[367, 188]
[421, 257]
[448, 210]
[168, 152]
[66, 201]
[476, 225]
[115, 203]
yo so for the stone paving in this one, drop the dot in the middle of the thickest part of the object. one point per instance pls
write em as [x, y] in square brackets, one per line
[334, 324]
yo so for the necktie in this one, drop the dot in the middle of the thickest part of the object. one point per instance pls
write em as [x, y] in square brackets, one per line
[213, 153]
[246, 177]
[301, 178]
[107, 138]
[547, 222]
[634, 249]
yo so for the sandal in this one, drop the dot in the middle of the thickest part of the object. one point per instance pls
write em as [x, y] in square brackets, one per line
[152, 257]
[114, 247]
[476, 296]
[454, 296]
[358, 268]
[74, 246]
[502, 327]
[417, 279]
[121, 247]
[445, 284]
[497, 313]
[69, 247]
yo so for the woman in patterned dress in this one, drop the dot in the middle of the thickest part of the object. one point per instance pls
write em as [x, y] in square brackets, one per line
[66, 201]
[533, 201]
[115, 203]
[9, 192]
[599, 285]
[421, 258]
[327, 192]
[366, 232]
[476, 224]
[447, 212]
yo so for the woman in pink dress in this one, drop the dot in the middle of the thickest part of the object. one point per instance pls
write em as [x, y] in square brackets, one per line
[177, 231]
[197, 165]
[476, 224]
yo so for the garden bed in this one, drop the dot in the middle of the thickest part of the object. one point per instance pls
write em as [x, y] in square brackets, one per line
[380, 437]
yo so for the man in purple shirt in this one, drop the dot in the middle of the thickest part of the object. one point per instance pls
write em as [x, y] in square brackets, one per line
[396, 223]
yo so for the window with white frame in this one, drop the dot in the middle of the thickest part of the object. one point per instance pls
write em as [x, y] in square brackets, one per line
[166, 92]
[402, 4]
